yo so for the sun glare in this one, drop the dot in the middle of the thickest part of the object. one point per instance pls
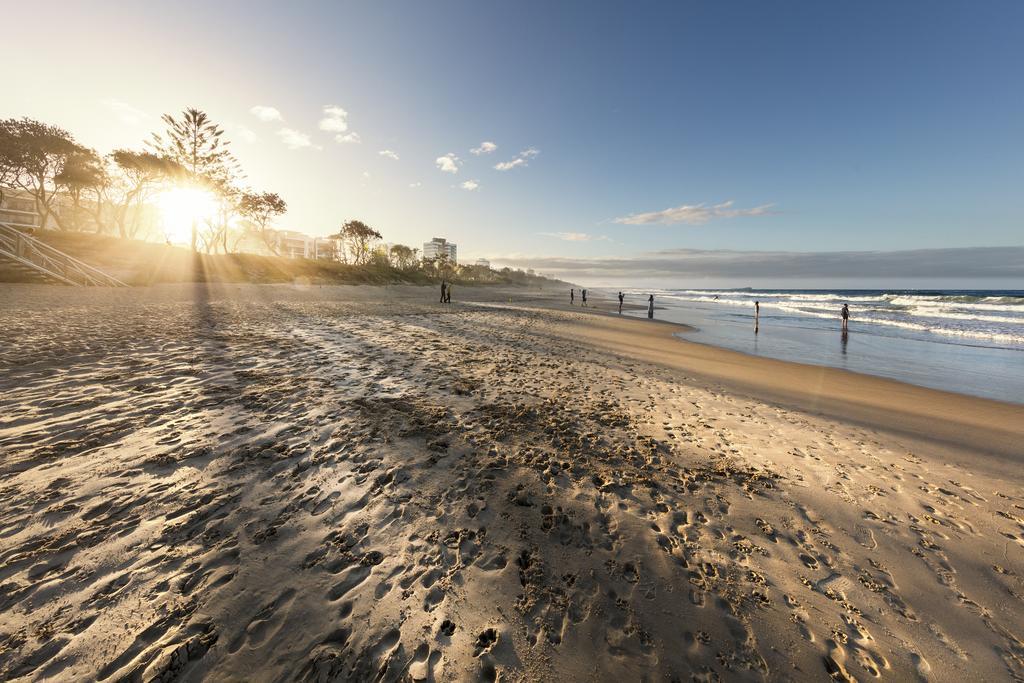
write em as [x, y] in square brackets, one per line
[180, 207]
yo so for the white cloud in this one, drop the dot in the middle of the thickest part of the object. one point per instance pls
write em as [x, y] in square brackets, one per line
[352, 137]
[522, 159]
[294, 139]
[126, 113]
[265, 113]
[335, 119]
[449, 163]
[470, 185]
[389, 154]
[693, 214]
[244, 134]
[416, 184]
[509, 165]
[576, 236]
[486, 147]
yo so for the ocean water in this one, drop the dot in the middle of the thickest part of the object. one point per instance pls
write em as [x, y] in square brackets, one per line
[968, 341]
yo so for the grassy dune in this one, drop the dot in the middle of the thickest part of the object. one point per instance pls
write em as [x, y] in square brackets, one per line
[142, 263]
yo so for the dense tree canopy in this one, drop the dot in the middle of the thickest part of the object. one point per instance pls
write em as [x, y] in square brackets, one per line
[357, 239]
[32, 156]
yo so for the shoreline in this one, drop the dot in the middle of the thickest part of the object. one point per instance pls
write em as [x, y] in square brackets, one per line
[937, 358]
[910, 410]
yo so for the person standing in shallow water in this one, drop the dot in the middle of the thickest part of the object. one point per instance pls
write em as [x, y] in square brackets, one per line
[621, 297]
[846, 316]
[572, 297]
[584, 294]
[444, 290]
[650, 306]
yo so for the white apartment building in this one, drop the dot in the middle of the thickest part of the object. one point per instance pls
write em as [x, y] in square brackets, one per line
[437, 246]
[292, 244]
[483, 263]
[18, 210]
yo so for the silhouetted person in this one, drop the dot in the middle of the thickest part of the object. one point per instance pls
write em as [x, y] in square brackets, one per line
[584, 294]
[757, 312]
[846, 316]
[448, 294]
[444, 290]
[650, 306]
[572, 297]
[621, 297]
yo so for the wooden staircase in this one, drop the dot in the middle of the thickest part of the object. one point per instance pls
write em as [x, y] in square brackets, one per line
[38, 261]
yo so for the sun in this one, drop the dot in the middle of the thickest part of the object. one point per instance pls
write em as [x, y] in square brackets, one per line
[180, 207]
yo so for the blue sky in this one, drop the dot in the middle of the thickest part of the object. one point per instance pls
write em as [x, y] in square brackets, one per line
[829, 126]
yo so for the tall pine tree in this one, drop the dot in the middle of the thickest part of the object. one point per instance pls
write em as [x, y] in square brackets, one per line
[194, 142]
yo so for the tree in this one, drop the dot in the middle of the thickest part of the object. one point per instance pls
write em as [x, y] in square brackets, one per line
[227, 209]
[260, 209]
[32, 155]
[10, 160]
[83, 174]
[403, 257]
[442, 265]
[138, 175]
[357, 238]
[194, 142]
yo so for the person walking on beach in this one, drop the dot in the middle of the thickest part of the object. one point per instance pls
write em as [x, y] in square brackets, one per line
[621, 297]
[584, 293]
[572, 297]
[448, 294]
[650, 307]
[846, 316]
[444, 290]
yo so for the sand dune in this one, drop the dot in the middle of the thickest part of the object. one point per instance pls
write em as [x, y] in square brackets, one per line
[275, 483]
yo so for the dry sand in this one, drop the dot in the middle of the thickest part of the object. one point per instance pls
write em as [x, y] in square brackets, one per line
[274, 483]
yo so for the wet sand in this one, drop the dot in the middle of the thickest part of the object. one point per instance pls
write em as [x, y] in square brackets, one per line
[351, 483]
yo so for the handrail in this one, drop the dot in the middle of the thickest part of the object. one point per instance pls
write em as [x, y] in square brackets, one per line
[49, 260]
[44, 247]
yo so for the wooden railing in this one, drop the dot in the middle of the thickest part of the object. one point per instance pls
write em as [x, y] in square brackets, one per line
[35, 256]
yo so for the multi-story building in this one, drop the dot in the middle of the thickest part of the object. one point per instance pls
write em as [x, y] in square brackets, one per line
[292, 244]
[18, 210]
[437, 246]
[483, 263]
[325, 248]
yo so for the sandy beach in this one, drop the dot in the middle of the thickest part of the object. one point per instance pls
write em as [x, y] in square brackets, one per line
[274, 483]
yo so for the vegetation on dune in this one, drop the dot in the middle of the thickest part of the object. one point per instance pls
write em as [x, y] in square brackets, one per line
[142, 263]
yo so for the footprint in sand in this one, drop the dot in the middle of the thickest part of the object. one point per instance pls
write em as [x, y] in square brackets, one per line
[433, 598]
[352, 578]
[485, 641]
[921, 665]
[446, 629]
[426, 665]
[265, 624]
